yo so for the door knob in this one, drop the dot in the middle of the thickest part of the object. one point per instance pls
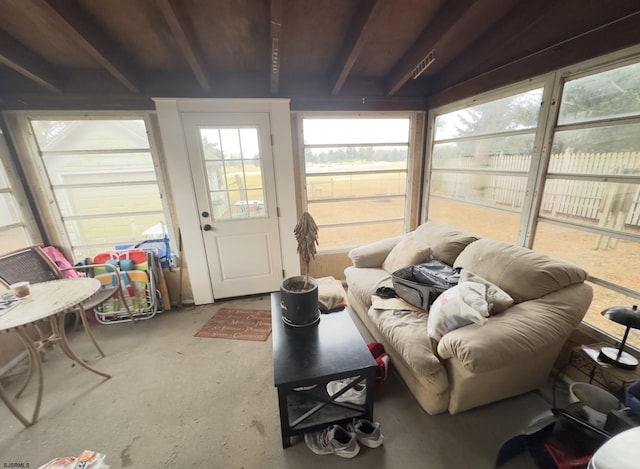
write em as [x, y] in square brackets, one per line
[206, 227]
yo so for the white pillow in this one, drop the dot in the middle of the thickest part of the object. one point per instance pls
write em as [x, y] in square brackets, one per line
[456, 307]
[497, 298]
[408, 251]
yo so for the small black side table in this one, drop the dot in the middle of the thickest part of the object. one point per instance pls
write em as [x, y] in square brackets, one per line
[305, 359]
[584, 358]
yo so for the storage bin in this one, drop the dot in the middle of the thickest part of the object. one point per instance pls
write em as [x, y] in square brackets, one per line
[598, 402]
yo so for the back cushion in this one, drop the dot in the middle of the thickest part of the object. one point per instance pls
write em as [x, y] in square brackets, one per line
[446, 242]
[521, 272]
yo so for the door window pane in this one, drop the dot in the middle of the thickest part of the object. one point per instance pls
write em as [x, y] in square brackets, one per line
[234, 172]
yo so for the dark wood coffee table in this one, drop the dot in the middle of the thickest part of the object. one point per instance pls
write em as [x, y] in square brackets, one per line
[305, 359]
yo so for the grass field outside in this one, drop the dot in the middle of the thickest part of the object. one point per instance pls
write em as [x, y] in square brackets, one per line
[375, 202]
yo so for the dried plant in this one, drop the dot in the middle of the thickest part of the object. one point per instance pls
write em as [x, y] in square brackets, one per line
[306, 232]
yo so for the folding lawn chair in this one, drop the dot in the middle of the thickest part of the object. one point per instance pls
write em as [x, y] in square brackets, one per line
[136, 272]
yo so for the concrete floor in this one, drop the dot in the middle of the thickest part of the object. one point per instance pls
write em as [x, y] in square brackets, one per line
[179, 401]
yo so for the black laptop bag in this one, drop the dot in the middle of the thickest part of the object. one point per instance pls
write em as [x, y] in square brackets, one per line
[421, 284]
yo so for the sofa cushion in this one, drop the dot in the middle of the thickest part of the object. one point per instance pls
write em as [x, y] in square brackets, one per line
[406, 332]
[497, 299]
[457, 307]
[524, 330]
[373, 254]
[522, 273]
[409, 251]
[446, 242]
[364, 282]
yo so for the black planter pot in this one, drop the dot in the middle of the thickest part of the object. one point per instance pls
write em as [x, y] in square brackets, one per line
[299, 302]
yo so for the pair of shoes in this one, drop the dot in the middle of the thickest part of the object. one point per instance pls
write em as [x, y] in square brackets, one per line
[367, 433]
[356, 395]
[333, 440]
[343, 442]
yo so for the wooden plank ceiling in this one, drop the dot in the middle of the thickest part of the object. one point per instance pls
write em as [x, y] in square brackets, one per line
[333, 54]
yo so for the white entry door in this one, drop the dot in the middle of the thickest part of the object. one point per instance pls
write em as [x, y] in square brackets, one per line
[233, 175]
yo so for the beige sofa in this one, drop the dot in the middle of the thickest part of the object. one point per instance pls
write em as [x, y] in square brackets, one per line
[512, 353]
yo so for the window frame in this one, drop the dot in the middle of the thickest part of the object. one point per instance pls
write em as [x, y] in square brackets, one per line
[41, 188]
[15, 190]
[415, 151]
[553, 85]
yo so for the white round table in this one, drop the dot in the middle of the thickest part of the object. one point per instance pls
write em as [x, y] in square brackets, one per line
[48, 301]
[620, 452]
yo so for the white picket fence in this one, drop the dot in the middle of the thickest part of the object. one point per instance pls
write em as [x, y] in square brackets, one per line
[603, 203]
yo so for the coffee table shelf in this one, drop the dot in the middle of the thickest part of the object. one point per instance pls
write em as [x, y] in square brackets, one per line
[306, 359]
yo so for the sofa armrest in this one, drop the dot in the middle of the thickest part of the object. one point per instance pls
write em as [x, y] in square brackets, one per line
[521, 331]
[373, 254]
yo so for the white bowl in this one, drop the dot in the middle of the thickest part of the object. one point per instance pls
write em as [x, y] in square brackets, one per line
[598, 402]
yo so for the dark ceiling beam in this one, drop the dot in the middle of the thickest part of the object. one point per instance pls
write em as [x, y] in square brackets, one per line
[275, 31]
[17, 57]
[180, 28]
[604, 39]
[448, 15]
[484, 54]
[69, 17]
[354, 43]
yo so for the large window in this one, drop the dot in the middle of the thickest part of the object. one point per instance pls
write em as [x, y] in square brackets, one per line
[356, 178]
[590, 211]
[102, 176]
[577, 198]
[480, 163]
[13, 229]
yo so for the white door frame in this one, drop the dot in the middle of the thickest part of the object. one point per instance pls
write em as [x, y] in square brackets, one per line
[181, 187]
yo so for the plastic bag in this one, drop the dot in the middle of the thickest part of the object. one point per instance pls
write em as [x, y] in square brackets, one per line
[457, 307]
[86, 460]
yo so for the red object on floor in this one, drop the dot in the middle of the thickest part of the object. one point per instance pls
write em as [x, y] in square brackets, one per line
[383, 364]
[376, 349]
[382, 359]
[565, 460]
